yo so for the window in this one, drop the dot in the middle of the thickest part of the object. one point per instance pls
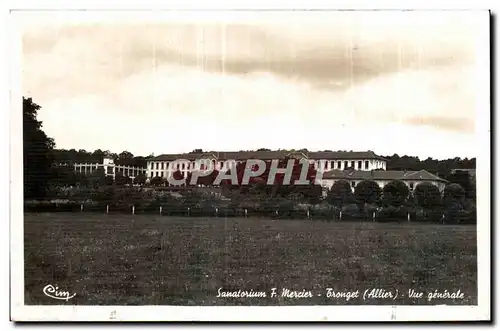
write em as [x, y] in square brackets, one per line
[331, 164]
[152, 174]
[157, 165]
[360, 165]
[411, 185]
[353, 184]
[367, 165]
[162, 164]
[339, 164]
[183, 166]
[157, 174]
[161, 173]
[202, 166]
[352, 164]
[346, 164]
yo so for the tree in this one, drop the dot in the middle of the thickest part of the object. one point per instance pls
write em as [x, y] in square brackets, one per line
[156, 181]
[427, 195]
[97, 178]
[339, 194]
[312, 192]
[453, 194]
[367, 191]
[395, 193]
[122, 180]
[140, 179]
[63, 176]
[108, 180]
[463, 179]
[81, 179]
[97, 156]
[125, 158]
[37, 153]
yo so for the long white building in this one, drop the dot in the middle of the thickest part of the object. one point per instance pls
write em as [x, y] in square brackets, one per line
[352, 167]
[162, 165]
[110, 168]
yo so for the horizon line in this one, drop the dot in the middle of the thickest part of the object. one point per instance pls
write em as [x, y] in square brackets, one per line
[271, 150]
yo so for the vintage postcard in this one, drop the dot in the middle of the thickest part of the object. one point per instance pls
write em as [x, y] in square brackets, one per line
[250, 165]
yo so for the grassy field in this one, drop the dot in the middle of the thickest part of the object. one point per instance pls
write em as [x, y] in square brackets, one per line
[147, 260]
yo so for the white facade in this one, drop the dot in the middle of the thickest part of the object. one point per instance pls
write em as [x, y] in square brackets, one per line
[363, 164]
[164, 169]
[110, 168]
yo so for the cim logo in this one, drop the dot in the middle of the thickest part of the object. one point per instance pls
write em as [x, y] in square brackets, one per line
[52, 292]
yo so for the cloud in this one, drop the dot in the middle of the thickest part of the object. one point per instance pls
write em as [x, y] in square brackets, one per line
[179, 109]
[329, 83]
[347, 50]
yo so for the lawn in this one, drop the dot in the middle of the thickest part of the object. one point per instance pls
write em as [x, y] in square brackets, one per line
[148, 260]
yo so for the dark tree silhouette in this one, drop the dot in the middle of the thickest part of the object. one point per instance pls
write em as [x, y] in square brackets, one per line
[340, 194]
[140, 179]
[395, 193]
[37, 153]
[427, 195]
[453, 194]
[122, 180]
[464, 179]
[367, 191]
[156, 181]
[97, 178]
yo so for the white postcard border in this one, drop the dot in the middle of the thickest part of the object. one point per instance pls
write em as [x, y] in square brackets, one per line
[20, 312]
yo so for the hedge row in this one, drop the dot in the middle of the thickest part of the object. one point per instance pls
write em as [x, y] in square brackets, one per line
[283, 210]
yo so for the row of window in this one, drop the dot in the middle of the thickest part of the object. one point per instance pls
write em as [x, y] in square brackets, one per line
[158, 174]
[129, 172]
[347, 164]
[358, 165]
[220, 164]
[182, 166]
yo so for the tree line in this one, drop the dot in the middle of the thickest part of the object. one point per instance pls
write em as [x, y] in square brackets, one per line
[396, 198]
[45, 166]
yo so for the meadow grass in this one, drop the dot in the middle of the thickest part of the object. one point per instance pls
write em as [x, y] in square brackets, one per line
[148, 260]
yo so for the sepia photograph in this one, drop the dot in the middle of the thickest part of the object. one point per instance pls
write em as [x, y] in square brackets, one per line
[185, 165]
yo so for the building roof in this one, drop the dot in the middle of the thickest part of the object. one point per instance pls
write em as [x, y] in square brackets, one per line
[382, 175]
[270, 155]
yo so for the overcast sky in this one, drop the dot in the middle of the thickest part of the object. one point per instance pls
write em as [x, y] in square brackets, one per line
[401, 83]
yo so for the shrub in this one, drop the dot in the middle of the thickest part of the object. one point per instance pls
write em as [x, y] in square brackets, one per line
[427, 195]
[395, 193]
[339, 194]
[367, 191]
[453, 194]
